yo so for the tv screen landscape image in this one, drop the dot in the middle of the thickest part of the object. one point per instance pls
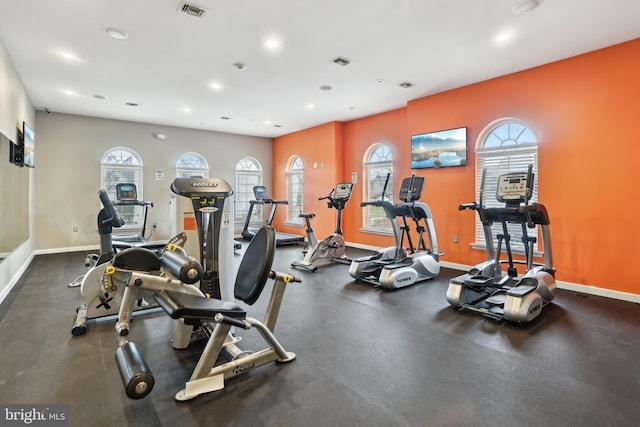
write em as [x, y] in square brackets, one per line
[28, 145]
[440, 149]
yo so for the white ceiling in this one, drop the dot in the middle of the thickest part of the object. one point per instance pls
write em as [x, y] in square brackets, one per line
[170, 60]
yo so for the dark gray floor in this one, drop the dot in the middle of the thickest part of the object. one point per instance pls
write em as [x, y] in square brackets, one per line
[365, 358]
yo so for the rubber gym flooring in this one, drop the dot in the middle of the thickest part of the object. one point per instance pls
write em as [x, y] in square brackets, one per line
[365, 357]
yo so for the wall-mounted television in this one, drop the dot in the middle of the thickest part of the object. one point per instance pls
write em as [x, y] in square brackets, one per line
[439, 149]
[28, 145]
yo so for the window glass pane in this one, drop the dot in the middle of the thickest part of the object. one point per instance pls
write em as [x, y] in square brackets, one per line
[508, 146]
[192, 165]
[248, 174]
[122, 165]
[296, 189]
[377, 166]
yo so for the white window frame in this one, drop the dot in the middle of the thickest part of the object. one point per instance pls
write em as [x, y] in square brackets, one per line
[505, 145]
[295, 190]
[377, 163]
[248, 173]
[192, 164]
[123, 165]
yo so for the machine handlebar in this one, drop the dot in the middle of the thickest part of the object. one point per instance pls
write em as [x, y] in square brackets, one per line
[471, 206]
[109, 210]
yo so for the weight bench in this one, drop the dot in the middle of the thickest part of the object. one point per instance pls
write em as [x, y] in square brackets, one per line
[253, 273]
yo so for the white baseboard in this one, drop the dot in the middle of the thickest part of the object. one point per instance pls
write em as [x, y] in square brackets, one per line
[64, 250]
[16, 277]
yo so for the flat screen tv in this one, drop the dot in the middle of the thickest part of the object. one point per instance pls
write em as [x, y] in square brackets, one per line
[28, 145]
[439, 149]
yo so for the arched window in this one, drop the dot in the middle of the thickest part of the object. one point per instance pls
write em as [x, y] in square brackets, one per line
[377, 164]
[192, 165]
[123, 165]
[504, 145]
[248, 174]
[295, 189]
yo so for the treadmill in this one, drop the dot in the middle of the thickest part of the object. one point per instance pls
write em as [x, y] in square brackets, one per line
[262, 198]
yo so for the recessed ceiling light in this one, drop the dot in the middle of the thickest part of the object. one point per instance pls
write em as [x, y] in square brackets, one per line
[185, 109]
[273, 44]
[115, 33]
[69, 92]
[326, 87]
[225, 118]
[267, 122]
[311, 106]
[277, 126]
[406, 85]
[216, 86]
[160, 136]
[99, 97]
[525, 6]
[240, 66]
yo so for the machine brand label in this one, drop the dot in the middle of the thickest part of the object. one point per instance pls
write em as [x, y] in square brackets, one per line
[534, 308]
[244, 367]
[204, 184]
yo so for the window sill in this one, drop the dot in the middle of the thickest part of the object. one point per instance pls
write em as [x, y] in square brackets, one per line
[374, 231]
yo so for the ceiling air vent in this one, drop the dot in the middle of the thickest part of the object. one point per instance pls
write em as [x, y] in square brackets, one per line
[191, 9]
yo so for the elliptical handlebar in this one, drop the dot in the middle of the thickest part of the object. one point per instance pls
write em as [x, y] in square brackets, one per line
[474, 206]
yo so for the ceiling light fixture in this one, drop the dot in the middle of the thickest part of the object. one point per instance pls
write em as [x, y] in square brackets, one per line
[406, 85]
[273, 44]
[160, 136]
[101, 97]
[326, 87]
[225, 118]
[116, 34]
[525, 6]
[131, 104]
[240, 66]
[379, 80]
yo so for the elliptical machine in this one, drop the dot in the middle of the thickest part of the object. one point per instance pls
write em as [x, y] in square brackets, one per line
[423, 262]
[484, 289]
[368, 268]
[333, 246]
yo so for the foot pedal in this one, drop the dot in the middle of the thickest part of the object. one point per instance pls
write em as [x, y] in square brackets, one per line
[497, 299]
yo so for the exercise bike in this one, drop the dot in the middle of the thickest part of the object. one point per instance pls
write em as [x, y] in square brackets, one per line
[484, 289]
[211, 371]
[102, 296]
[332, 247]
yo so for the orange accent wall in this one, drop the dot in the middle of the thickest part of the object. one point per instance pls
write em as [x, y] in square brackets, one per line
[321, 151]
[584, 111]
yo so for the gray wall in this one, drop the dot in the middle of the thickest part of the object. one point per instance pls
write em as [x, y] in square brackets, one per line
[68, 152]
[15, 106]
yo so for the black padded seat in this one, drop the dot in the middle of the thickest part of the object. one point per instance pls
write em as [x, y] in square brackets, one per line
[139, 259]
[180, 305]
[255, 266]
